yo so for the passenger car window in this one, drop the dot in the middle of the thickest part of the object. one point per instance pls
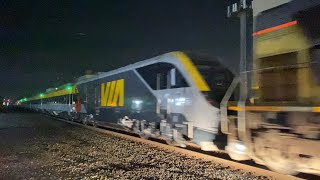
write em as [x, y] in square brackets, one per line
[160, 76]
[176, 79]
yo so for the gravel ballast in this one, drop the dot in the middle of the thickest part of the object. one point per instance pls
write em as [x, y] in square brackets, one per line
[37, 147]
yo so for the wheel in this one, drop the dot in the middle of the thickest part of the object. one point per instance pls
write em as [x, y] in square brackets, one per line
[144, 135]
[170, 141]
[236, 150]
[277, 162]
[237, 157]
[85, 121]
[94, 123]
[282, 167]
[273, 156]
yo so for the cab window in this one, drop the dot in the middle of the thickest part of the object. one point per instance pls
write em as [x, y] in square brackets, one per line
[162, 76]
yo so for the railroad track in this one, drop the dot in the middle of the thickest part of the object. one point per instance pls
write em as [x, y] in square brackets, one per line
[190, 151]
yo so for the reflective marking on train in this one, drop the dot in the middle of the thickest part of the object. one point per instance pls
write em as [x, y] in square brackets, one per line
[275, 28]
[275, 108]
[112, 93]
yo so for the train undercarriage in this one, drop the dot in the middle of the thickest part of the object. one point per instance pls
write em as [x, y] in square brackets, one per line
[287, 142]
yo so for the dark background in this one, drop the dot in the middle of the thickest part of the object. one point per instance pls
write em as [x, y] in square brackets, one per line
[46, 43]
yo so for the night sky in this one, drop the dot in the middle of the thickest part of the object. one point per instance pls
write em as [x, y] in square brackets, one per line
[47, 43]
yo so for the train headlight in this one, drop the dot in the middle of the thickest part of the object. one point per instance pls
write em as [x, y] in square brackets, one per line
[180, 101]
[137, 102]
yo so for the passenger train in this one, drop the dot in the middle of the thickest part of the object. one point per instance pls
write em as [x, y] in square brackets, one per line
[174, 95]
[185, 98]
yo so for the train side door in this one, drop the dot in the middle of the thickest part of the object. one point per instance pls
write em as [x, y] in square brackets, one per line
[168, 85]
[163, 98]
[167, 93]
[176, 86]
[172, 88]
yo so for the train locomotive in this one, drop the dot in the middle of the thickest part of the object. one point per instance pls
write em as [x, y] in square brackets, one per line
[175, 96]
[281, 125]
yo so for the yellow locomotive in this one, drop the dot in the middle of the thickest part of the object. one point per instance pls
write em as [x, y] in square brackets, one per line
[282, 113]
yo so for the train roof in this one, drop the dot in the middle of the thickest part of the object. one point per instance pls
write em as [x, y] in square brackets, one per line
[127, 68]
[283, 13]
[61, 90]
[217, 62]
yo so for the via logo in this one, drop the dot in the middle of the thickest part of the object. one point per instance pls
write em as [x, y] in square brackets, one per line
[112, 93]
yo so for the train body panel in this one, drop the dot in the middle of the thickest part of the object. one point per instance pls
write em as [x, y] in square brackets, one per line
[136, 99]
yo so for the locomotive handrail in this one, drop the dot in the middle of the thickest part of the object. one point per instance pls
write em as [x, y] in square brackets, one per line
[297, 65]
[224, 105]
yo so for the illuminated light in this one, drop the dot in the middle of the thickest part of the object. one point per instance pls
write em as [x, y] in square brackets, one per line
[68, 88]
[41, 95]
[137, 102]
[239, 146]
[251, 100]
[170, 100]
[25, 99]
[275, 28]
[180, 101]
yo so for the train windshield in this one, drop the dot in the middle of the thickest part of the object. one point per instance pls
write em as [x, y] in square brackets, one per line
[217, 77]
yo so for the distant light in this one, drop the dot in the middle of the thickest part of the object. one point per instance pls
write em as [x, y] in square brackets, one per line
[81, 34]
[25, 99]
[41, 95]
[68, 88]
[56, 88]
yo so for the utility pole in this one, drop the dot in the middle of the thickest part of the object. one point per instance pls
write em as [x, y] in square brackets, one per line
[241, 11]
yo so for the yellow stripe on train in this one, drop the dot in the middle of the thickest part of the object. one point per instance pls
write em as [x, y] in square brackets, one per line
[275, 108]
[196, 77]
